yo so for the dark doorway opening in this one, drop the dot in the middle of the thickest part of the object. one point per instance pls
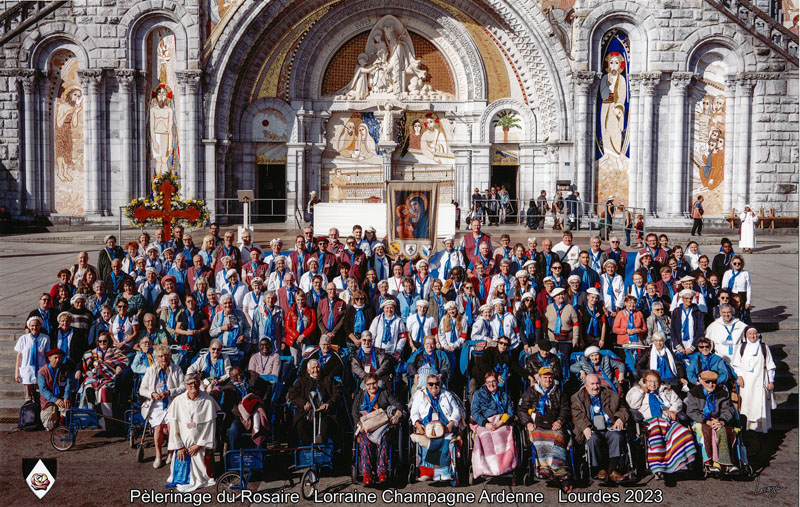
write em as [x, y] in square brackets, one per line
[505, 176]
[271, 195]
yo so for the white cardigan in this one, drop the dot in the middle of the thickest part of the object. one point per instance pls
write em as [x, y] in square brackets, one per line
[148, 384]
[638, 401]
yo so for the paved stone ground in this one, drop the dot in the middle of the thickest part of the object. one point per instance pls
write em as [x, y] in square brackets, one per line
[28, 265]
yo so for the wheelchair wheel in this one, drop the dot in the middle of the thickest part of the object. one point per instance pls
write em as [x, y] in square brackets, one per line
[527, 478]
[131, 438]
[140, 453]
[230, 481]
[470, 477]
[308, 484]
[61, 438]
[412, 473]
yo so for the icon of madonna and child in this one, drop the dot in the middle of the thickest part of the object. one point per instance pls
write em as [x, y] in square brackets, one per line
[412, 214]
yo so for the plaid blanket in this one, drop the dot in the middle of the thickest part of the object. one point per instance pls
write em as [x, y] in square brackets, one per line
[494, 452]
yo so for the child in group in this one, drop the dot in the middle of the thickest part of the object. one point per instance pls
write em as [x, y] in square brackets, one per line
[639, 230]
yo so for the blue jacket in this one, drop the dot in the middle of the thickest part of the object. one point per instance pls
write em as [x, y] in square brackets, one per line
[484, 407]
[715, 363]
[677, 321]
[406, 308]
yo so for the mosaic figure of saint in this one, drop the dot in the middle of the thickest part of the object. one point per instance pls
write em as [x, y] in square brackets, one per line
[162, 122]
[69, 108]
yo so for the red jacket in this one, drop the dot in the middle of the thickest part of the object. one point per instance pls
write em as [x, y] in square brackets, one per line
[358, 263]
[487, 284]
[621, 326]
[309, 322]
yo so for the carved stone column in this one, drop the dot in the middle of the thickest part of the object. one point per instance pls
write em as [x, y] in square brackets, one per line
[91, 80]
[676, 197]
[189, 80]
[649, 82]
[744, 99]
[210, 178]
[730, 139]
[30, 197]
[125, 78]
[634, 127]
[583, 128]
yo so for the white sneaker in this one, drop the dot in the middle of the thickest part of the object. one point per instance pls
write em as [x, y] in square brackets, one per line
[169, 459]
[157, 463]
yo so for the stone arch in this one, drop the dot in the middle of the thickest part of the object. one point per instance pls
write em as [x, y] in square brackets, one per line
[243, 125]
[39, 43]
[141, 14]
[143, 27]
[313, 57]
[527, 116]
[734, 48]
[528, 44]
[625, 21]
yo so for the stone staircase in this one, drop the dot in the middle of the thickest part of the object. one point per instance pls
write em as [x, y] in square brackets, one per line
[759, 24]
[23, 15]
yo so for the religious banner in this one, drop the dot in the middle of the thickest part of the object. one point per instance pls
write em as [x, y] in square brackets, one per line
[166, 208]
[67, 133]
[612, 137]
[708, 152]
[162, 115]
[411, 218]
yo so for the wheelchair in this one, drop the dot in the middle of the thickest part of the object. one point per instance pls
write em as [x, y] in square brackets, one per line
[574, 383]
[738, 451]
[627, 466]
[457, 462]
[519, 448]
[397, 454]
[529, 466]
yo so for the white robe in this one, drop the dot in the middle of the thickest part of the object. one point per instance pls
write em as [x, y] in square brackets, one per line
[193, 422]
[747, 236]
[27, 369]
[757, 371]
[716, 333]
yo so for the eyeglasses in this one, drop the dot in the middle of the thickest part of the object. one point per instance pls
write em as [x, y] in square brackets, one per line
[359, 299]
[736, 263]
[555, 267]
[122, 306]
[434, 384]
[215, 348]
[709, 381]
[102, 341]
[615, 241]
[704, 346]
[504, 343]
[372, 384]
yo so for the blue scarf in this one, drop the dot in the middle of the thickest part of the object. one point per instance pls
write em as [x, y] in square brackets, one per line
[269, 327]
[502, 371]
[530, 326]
[331, 320]
[163, 378]
[387, 330]
[453, 335]
[656, 405]
[729, 340]
[121, 324]
[202, 300]
[359, 320]
[662, 364]
[323, 358]
[501, 331]
[631, 325]
[732, 279]
[171, 320]
[595, 259]
[429, 359]
[421, 328]
[56, 387]
[544, 401]
[597, 408]
[557, 326]
[46, 319]
[439, 305]
[63, 342]
[373, 359]
[497, 403]
[368, 405]
[610, 292]
[468, 311]
[219, 367]
[593, 330]
[435, 407]
[711, 404]
[687, 314]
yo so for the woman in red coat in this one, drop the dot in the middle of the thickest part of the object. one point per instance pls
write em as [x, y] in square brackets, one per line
[300, 332]
[630, 328]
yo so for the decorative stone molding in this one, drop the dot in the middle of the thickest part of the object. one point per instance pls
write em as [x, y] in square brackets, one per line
[747, 81]
[125, 78]
[649, 82]
[584, 80]
[91, 78]
[189, 79]
[679, 81]
[28, 79]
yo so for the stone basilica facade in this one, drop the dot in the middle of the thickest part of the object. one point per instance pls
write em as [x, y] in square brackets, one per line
[653, 101]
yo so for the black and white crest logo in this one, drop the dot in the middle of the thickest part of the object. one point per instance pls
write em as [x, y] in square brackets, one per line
[39, 474]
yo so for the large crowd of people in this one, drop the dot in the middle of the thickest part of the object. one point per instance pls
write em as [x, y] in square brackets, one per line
[559, 344]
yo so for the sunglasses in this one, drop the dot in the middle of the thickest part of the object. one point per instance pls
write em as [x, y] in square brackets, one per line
[504, 343]
[709, 381]
[703, 347]
[102, 341]
[615, 241]
[359, 299]
[434, 384]
[736, 263]
[215, 348]
[555, 267]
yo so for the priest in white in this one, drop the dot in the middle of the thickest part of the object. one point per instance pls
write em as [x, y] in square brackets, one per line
[192, 428]
[727, 333]
[755, 371]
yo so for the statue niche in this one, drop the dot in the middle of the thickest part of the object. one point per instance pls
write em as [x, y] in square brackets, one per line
[389, 68]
